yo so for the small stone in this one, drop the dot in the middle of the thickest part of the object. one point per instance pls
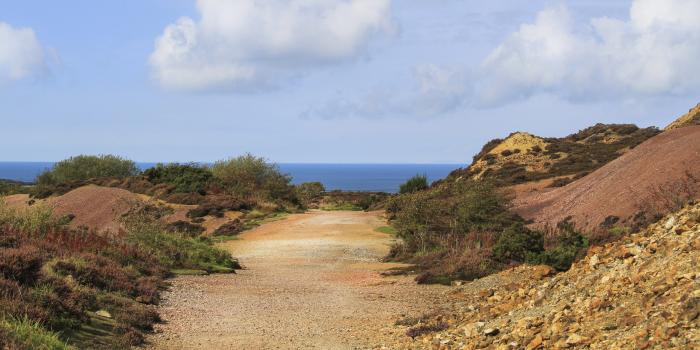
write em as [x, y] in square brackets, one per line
[594, 261]
[491, 331]
[670, 223]
[535, 343]
[103, 313]
[576, 339]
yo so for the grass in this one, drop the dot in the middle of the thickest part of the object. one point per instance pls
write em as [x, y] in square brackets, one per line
[390, 230]
[256, 218]
[340, 207]
[27, 334]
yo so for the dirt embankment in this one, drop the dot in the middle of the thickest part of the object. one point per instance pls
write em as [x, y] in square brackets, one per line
[312, 282]
[654, 172]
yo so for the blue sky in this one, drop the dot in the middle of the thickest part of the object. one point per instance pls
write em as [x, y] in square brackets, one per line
[341, 81]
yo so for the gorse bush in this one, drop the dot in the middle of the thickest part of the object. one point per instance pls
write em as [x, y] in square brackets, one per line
[83, 167]
[414, 184]
[186, 178]
[250, 176]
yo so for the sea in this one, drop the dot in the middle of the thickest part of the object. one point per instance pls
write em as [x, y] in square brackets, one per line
[345, 177]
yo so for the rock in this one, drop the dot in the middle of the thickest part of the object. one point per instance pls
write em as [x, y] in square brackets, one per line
[103, 313]
[670, 223]
[593, 261]
[542, 271]
[576, 339]
[491, 331]
[535, 343]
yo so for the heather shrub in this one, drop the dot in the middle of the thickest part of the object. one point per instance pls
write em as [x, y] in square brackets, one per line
[21, 264]
[185, 228]
[414, 184]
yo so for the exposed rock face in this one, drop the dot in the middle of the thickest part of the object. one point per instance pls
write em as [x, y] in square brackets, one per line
[688, 119]
[642, 292]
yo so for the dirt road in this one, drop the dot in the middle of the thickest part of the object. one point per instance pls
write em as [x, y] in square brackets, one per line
[311, 282]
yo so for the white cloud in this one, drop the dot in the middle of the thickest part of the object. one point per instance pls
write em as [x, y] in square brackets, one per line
[437, 90]
[248, 44]
[654, 52]
[21, 54]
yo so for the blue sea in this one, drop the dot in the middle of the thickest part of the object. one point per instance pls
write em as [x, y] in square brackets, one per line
[346, 177]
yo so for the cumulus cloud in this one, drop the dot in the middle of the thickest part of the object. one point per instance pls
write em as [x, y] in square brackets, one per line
[249, 44]
[437, 90]
[654, 52]
[21, 54]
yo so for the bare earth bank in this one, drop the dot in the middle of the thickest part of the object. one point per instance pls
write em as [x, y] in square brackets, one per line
[312, 282]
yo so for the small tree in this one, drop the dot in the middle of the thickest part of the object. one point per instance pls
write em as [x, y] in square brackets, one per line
[83, 167]
[414, 184]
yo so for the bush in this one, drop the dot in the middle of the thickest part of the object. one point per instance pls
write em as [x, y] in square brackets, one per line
[571, 245]
[185, 228]
[518, 244]
[21, 264]
[81, 168]
[309, 192]
[414, 184]
[248, 176]
[187, 178]
[231, 228]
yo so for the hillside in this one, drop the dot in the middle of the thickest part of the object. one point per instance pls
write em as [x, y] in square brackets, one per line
[688, 119]
[522, 157]
[638, 293]
[653, 178]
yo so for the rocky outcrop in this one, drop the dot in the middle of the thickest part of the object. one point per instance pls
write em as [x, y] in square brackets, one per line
[688, 119]
[523, 157]
[642, 292]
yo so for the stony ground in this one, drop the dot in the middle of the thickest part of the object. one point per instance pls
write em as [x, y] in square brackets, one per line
[642, 292]
[312, 281]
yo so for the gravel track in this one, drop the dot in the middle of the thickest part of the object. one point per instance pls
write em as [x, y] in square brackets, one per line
[312, 281]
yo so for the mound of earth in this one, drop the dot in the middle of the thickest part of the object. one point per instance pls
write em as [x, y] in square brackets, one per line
[651, 179]
[642, 292]
[688, 119]
[522, 157]
[95, 207]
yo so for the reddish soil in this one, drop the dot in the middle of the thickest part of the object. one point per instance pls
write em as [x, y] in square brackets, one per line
[95, 207]
[622, 187]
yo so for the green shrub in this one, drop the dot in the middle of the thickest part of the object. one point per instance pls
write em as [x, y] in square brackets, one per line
[187, 178]
[414, 184]
[518, 243]
[308, 192]
[571, 245]
[248, 176]
[83, 167]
